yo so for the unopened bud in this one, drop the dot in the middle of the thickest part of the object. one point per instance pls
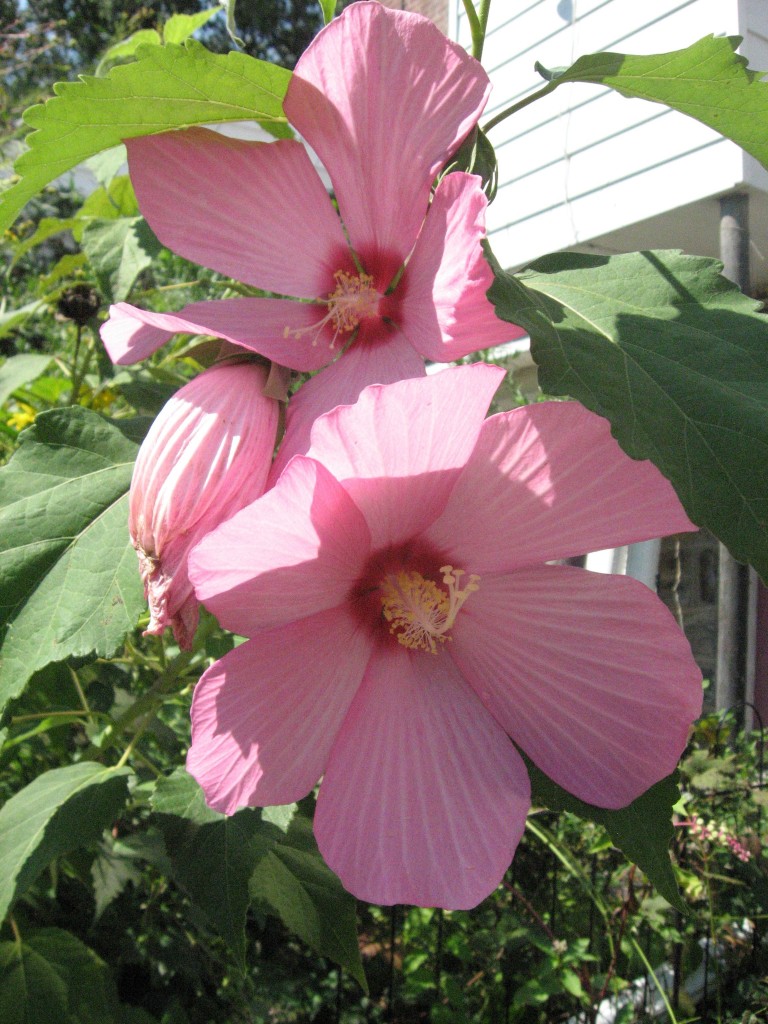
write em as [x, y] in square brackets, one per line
[205, 457]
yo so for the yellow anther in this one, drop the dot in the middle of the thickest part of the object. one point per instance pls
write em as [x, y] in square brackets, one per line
[353, 299]
[420, 612]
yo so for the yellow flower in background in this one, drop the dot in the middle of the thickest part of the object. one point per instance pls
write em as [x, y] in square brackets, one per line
[23, 416]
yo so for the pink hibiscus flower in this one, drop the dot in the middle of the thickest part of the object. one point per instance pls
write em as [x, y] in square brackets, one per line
[404, 625]
[393, 278]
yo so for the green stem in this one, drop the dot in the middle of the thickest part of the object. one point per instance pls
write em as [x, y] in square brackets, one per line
[38, 716]
[485, 8]
[659, 987]
[554, 846]
[134, 740]
[549, 87]
[80, 693]
[477, 24]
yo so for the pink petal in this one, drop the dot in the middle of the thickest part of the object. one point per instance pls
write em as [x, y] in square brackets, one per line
[341, 384]
[400, 448]
[424, 798]
[131, 334]
[296, 551]
[384, 98]
[256, 211]
[265, 716]
[588, 673]
[445, 312]
[548, 481]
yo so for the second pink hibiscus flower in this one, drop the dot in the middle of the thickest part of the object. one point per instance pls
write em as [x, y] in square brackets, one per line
[394, 277]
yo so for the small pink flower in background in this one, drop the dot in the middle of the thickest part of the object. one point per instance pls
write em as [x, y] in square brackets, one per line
[206, 456]
[717, 835]
[404, 625]
[384, 99]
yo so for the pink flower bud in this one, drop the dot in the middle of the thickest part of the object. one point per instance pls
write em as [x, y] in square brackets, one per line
[205, 457]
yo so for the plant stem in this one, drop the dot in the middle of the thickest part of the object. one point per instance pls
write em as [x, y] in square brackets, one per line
[556, 848]
[477, 24]
[659, 988]
[519, 106]
[76, 377]
[80, 693]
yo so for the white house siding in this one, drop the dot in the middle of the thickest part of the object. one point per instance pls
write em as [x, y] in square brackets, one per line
[584, 163]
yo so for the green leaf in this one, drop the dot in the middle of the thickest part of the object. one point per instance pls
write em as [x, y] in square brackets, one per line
[642, 831]
[61, 810]
[19, 370]
[69, 583]
[31, 989]
[328, 8]
[118, 251]
[120, 861]
[128, 47]
[117, 199]
[53, 978]
[12, 318]
[707, 81]
[295, 882]
[180, 795]
[214, 863]
[46, 228]
[212, 856]
[677, 361]
[104, 166]
[167, 87]
[180, 27]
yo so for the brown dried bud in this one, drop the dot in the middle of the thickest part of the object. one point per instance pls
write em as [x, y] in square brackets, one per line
[79, 303]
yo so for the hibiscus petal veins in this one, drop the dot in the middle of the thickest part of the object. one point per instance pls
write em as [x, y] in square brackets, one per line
[384, 99]
[399, 649]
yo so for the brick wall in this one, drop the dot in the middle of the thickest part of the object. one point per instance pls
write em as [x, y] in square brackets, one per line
[437, 10]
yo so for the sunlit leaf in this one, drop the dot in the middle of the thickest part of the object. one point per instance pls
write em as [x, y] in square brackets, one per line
[166, 87]
[708, 81]
[180, 27]
[676, 358]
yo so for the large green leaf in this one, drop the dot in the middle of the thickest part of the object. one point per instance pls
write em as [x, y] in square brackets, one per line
[61, 810]
[294, 880]
[676, 358]
[212, 856]
[225, 862]
[51, 977]
[642, 831]
[69, 583]
[708, 81]
[167, 87]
